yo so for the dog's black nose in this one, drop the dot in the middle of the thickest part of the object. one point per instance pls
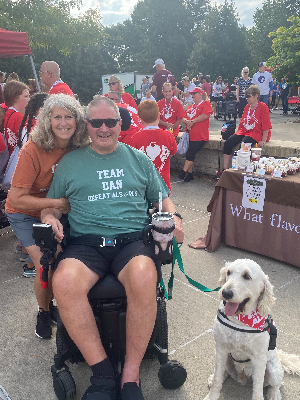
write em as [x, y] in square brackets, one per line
[227, 294]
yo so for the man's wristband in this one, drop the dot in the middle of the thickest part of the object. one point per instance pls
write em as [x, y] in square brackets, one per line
[177, 214]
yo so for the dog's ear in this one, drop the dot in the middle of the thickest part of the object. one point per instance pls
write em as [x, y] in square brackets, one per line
[266, 298]
[223, 273]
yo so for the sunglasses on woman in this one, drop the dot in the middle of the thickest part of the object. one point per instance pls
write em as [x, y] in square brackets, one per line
[112, 83]
[109, 122]
[248, 96]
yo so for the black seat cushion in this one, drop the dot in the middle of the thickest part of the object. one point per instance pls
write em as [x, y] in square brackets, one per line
[107, 288]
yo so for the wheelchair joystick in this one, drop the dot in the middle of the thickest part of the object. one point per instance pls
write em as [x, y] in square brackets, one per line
[162, 228]
[44, 238]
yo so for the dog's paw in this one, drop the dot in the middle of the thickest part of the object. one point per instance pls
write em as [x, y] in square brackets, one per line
[210, 381]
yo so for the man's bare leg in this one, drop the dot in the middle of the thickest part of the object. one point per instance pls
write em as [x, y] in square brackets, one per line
[71, 284]
[139, 277]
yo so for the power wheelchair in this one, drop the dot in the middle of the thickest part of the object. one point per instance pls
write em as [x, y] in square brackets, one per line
[108, 301]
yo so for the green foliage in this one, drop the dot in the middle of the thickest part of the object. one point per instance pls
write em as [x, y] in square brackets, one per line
[189, 35]
[272, 15]
[221, 44]
[76, 44]
[286, 48]
[157, 29]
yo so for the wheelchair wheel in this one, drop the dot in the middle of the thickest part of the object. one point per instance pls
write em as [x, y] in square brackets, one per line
[162, 335]
[172, 375]
[64, 385]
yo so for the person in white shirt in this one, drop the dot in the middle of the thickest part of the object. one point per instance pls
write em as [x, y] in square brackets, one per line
[186, 96]
[264, 81]
[148, 96]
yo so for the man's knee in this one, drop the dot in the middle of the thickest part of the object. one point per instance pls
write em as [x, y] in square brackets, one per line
[139, 275]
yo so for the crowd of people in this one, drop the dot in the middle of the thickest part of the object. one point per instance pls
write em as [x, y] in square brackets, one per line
[114, 156]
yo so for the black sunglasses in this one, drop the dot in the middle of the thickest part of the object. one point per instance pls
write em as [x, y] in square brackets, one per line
[112, 83]
[109, 122]
[247, 96]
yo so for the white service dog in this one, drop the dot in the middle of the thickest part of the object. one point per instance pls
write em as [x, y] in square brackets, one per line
[241, 333]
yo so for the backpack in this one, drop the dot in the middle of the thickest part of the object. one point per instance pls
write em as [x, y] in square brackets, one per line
[228, 129]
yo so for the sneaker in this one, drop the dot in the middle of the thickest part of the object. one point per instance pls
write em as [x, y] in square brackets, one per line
[131, 391]
[28, 272]
[181, 174]
[43, 328]
[189, 177]
[53, 312]
[105, 388]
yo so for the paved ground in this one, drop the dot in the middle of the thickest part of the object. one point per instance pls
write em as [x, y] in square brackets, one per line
[25, 360]
[283, 127]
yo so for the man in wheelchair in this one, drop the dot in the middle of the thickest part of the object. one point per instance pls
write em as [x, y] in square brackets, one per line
[108, 185]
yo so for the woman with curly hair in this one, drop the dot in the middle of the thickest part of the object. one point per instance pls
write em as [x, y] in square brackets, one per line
[115, 84]
[61, 127]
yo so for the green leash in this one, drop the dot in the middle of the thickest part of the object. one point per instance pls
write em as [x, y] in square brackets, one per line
[177, 257]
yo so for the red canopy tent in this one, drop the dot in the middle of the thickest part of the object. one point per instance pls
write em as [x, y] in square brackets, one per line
[16, 44]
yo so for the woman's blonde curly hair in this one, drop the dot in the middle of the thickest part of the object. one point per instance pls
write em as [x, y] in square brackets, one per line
[114, 78]
[42, 135]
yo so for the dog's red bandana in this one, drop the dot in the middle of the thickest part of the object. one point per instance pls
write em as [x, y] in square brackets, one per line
[254, 320]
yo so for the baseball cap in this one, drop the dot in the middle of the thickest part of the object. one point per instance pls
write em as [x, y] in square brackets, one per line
[197, 90]
[262, 64]
[158, 61]
[185, 78]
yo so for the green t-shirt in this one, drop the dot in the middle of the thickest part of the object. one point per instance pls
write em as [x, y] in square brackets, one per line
[109, 193]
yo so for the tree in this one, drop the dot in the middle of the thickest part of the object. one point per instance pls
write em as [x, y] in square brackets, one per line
[286, 48]
[221, 44]
[76, 44]
[272, 15]
[157, 29]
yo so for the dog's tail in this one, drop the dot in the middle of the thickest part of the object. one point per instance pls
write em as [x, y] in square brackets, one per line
[290, 362]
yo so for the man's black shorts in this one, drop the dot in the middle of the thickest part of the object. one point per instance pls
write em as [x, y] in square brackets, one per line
[104, 260]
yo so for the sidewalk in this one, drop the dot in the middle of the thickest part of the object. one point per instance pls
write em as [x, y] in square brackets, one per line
[25, 360]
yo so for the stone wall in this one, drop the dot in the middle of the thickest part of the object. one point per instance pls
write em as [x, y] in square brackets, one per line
[206, 161]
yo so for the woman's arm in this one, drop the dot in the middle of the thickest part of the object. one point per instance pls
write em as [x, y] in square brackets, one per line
[21, 199]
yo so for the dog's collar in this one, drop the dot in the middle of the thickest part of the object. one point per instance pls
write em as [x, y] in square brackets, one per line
[222, 318]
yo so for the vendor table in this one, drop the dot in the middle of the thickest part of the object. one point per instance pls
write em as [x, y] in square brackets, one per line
[274, 232]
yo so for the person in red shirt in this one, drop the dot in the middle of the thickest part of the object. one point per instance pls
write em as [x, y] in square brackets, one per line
[50, 76]
[197, 123]
[16, 97]
[135, 124]
[158, 144]
[206, 87]
[171, 110]
[115, 85]
[255, 125]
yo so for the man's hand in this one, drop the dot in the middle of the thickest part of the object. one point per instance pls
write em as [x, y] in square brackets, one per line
[56, 226]
[64, 205]
[169, 126]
